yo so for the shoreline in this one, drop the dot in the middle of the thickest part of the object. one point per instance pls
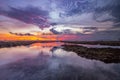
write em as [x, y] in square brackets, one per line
[4, 44]
[109, 43]
[19, 43]
[107, 55]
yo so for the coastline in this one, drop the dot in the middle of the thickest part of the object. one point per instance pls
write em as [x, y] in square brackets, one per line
[107, 55]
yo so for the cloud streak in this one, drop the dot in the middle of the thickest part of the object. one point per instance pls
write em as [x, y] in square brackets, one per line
[21, 34]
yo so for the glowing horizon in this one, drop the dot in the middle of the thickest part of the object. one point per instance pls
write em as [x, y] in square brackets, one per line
[12, 37]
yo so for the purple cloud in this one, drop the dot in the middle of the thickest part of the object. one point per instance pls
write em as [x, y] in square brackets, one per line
[30, 15]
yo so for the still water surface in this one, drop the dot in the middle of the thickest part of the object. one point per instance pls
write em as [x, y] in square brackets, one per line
[48, 61]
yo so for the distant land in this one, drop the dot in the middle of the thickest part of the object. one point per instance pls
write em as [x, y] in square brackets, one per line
[19, 43]
[110, 43]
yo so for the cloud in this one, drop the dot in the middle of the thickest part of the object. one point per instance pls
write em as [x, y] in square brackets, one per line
[89, 30]
[79, 12]
[12, 25]
[67, 29]
[29, 15]
[21, 34]
[80, 17]
[85, 12]
[54, 31]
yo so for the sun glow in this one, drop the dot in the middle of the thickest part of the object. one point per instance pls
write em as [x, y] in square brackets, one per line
[42, 37]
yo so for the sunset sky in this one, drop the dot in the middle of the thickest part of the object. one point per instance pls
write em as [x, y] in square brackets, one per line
[64, 19]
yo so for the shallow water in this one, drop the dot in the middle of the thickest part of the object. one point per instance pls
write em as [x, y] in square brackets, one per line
[95, 45]
[48, 61]
[98, 46]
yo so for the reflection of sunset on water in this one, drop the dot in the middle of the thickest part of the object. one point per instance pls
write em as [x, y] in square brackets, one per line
[47, 59]
[15, 53]
[52, 44]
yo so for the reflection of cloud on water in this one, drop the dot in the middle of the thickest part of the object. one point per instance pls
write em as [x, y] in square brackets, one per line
[52, 63]
[63, 66]
[12, 54]
[61, 53]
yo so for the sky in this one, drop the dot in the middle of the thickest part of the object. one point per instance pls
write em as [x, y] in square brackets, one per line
[81, 20]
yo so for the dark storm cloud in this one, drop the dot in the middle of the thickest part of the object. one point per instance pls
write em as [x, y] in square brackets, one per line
[30, 15]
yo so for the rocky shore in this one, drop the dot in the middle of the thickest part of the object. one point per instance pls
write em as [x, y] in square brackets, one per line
[107, 55]
[110, 43]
